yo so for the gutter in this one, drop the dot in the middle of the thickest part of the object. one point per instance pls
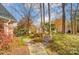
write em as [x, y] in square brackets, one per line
[7, 19]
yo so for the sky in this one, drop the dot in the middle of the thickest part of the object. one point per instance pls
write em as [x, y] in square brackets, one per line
[12, 11]
[55, 11]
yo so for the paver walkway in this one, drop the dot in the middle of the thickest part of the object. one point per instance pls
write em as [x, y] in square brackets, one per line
[37, 49]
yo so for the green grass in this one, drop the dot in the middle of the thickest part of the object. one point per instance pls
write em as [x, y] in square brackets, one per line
[23, 39]
[64, 44]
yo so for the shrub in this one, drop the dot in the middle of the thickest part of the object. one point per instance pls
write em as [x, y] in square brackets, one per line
[20, 32]
[5, 41]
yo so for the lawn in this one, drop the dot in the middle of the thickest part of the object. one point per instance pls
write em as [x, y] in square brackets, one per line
[64, 44]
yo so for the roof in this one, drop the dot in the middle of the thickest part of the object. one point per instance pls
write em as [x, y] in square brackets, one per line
[4, 13]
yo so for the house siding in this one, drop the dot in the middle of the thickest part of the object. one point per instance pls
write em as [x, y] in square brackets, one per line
[8, 29]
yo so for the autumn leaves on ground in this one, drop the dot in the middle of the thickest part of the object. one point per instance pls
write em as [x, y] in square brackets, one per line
[36, 32]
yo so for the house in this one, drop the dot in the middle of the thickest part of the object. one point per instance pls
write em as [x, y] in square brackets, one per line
[6, 21]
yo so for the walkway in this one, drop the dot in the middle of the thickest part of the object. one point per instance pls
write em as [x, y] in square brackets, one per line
[37, 49]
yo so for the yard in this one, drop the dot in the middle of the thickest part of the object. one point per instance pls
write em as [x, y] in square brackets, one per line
[60, 44]
[35, 32]
[64, 44]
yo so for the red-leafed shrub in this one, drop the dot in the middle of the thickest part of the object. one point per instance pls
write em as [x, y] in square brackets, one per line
[5, 41]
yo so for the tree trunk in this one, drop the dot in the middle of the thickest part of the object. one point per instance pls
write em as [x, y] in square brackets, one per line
[28, 27]
[41, 14]
[75, 21]
[63, 18]
[49, 19]
[71, 20]
[43, 18]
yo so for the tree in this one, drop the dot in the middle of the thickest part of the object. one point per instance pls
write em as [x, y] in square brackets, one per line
[78, 19]
[71, 20]
[41, 14]
[25, 14]
[49, 19]
[75, 19]
[63, 17]
[47, 26]
[43, 17]
[22, 27]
